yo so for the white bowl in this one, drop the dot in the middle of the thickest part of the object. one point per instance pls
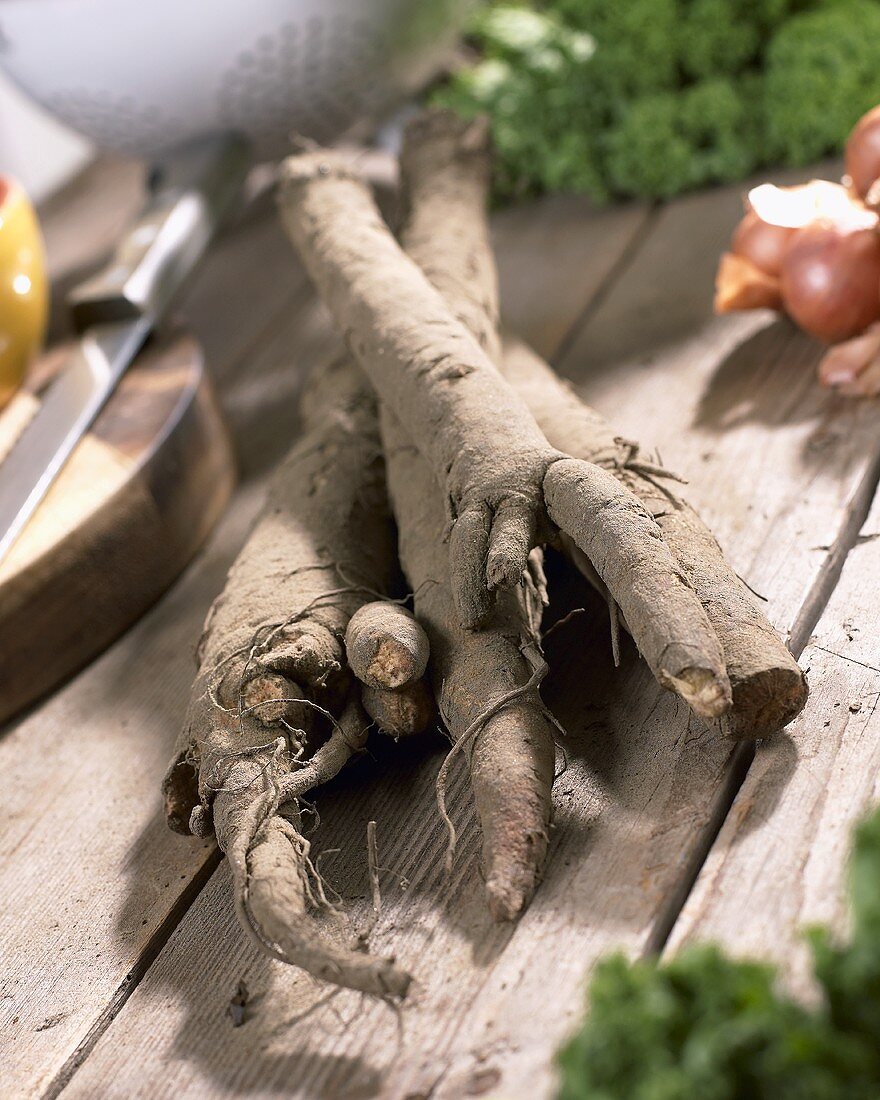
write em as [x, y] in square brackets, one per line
[139, 75]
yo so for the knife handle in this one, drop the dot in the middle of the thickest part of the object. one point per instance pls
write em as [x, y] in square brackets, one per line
[189, 193]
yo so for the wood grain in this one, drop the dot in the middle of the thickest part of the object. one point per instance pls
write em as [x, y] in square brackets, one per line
[83, 220]
[782, 853]
[779, 468]
[246, 283]
[89, 874]
[555, 257]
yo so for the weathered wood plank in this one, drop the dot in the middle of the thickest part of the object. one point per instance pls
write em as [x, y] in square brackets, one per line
[781, 855]
[87, 872]
[732, 403]
[777, 466]
[554, 257]
[246, 284]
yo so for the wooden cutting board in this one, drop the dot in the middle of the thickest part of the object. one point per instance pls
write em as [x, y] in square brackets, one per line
[134, 503]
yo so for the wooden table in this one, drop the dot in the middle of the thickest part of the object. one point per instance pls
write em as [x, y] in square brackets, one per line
[120, 952]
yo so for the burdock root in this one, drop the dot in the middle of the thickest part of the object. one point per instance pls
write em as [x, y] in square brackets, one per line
[278, 892]
[274, 710]
[486, 683]
[505, 488]
[445, 169]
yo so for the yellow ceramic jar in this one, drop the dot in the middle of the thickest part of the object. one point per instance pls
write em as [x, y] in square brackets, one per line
[23, 291]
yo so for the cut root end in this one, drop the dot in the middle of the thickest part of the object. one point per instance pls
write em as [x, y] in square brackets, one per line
[274, 700]
[765, 702]
[180, 792]
[385, 646]
[403, 713]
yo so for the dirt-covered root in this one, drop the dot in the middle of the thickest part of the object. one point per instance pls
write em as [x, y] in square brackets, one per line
[307, 652]
[387, 650]
[402, 713]
[385, 646]
[618, 537]
[272, 650]
[511, 804]
[445, 172]
[273, 681]
[277, 883]
[480, 438]
[768, 687]
[486, 685]
[446, 175]
[279, 896]
[481, 442]
[487, 682]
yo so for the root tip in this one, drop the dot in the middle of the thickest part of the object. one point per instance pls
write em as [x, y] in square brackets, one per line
[507, 900]
[397, 982]
[503, 572]
[200, 822]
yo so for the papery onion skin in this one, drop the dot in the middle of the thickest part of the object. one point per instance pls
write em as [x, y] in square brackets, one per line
[830, 280]
[741, 285]
[819, 200]
[862, 155]
[762, 243]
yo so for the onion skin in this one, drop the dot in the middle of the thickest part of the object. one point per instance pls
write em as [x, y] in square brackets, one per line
[862, 155]
[830, 280]
[740, 285]
[761, 243]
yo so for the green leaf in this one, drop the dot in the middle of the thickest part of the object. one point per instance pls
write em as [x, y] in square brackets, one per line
[709, 1026]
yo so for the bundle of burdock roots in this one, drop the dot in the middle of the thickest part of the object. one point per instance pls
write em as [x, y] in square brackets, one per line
[442, 445]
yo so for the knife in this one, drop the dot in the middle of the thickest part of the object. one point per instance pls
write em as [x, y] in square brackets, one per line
[117, 309]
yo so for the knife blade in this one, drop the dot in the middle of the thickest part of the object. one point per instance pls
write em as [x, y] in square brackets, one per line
[118, 308]
[70, 406]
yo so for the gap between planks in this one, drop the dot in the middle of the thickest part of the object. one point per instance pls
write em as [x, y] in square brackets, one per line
[743, 759]
[150, 951]
[627, 258]
[783, 849]
[806, 620]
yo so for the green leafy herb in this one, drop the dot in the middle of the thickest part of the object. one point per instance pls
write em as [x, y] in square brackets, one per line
[650, 98]
[704, 1025]
[822, 74]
